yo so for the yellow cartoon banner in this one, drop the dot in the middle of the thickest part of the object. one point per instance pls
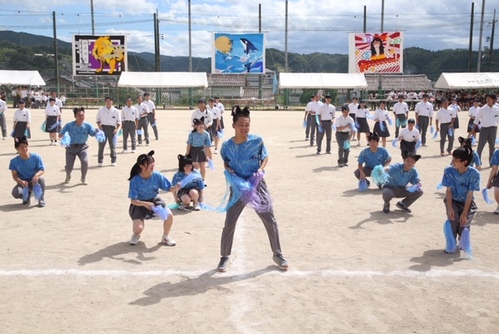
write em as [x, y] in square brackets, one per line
[99, 55]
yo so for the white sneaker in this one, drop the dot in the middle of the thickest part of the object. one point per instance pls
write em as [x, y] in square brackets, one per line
[84, 181]
[197, 207]
[216, 151]
[113, 164]
[166, 240]
[133, 151]
[101, 164]
[124, 151]
[497, 211]
[134, 239]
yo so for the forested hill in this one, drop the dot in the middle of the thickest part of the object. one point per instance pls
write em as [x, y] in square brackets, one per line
[22, 51]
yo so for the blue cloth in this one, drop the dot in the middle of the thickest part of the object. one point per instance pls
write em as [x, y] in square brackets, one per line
[196, 183]
[197, 139]
[461, 184]
[26, 169]
[398, 177]
[244, 158]
[79, 134]
[371, 159]
[146, 189]
[495, 158]
[475, 161]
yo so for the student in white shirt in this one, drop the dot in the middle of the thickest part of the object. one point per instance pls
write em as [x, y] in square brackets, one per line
[424, 117]
[215, 127]
[344, 125]
[472, 113]
[151, 117]
[143, 127]
[3, 119]
[326, 117]
[52, 116]
[381, 117]
[352, 108]
[444, 120]
[401, 111]
[361, 120]
[108, 120]
[488, 118]
[129, 124]
[409, 137]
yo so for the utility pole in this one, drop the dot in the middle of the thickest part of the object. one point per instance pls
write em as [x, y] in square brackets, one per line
[470, 48]
[480, 40]
[157, 53]
[190, 52]
[365, 19]
[56, 55]
[92, 16]
[491, 51]
[260, 89]
[382, 15]
[286, 51]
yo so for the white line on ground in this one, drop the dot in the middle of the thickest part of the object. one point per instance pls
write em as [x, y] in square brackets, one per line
[291, 273]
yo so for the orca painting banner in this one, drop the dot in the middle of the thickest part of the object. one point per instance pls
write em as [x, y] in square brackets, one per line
[376, 53]
[238, 53]
[99, 55]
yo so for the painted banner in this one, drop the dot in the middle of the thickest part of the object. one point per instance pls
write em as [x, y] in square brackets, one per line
[376, 53]
[238, 53]
[99, 55]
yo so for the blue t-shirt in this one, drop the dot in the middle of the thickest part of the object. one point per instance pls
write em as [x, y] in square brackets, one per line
[372, 159]
[197, 139]
[461, 184]
[146, 189]
[26, 169]
[245, 158]
[399, 177]
[495, 158]
[196, 183]
[79, 134]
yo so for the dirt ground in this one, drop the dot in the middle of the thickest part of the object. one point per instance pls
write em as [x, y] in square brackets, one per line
[353, 269]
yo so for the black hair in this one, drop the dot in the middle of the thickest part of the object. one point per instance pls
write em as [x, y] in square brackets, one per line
[465, 142]
[463, 154]
[237, 113]
[183, 160]
[196, 122]
[18, 141]
[77, 110]
[143, 159]
[372, 136]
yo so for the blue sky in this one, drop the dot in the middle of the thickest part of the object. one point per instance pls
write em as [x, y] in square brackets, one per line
[313, 26]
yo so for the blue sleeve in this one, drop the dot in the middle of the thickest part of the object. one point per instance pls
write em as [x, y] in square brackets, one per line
[446, 179]
[189, 139]
[415, 177]
[132, 190]
[476, 159]
[164, 183]
[90, 129]
[207, 141]
[176, 178]
[474, 181]
[39, 163]
[12, 165]
[495, 158]
[264, 153]
[362, 157]
[65, 129]
[387, 156]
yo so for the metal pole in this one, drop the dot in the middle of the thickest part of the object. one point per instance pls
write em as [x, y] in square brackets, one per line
[480, 39]
[260, 89]
[56, 55]
[190, 52]
[382, 15]
[365, 19]
[157, 54]
[92, 16]
[491, 63]
[470, 48]
[286, 50]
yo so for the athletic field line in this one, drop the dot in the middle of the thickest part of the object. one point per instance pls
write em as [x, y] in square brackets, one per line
[291, 273]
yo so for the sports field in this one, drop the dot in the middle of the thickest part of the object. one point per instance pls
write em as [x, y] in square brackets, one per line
[68, 268]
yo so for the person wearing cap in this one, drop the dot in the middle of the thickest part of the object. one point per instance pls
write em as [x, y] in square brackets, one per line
[3, 119]
[400, 175]
[401, 112]
[313, 109]
[215, 127]
[454, 106]
[409, 137]
[472, 113]
[424, 116]
[130, 123]
[108, 120]
[361, 120]
[344, 125]
[22, 121]
[143, 127]
[27, 169]
[52, 116]
[444, 120]
[380, 127]
[202, 111]
[151, 116]
[461, 181]
[308, 117]
[78, 130]
[370, 157]
[488, 118]
[352, 107]
[326, 117]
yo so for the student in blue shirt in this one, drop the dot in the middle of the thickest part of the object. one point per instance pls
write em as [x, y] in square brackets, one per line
[461, 181]
[198, 146]
[27, 169]
[399, 176]
[192, 191]
[493, 180]
[78, 130]
[243, 155]
[143, 193]
[370, 157]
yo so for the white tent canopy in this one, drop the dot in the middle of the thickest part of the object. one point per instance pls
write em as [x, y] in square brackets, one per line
[21, 78]
[163, 79]
[468, 80]
[322, 80]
